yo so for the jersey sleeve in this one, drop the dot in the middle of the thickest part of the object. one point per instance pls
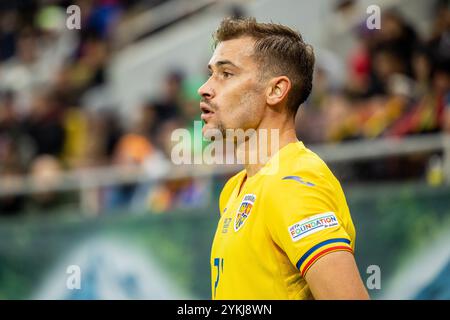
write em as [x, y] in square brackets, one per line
[303, 219]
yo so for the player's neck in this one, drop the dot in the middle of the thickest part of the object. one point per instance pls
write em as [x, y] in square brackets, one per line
[271, 141]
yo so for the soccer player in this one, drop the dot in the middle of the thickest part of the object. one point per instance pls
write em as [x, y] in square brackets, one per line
[288, 234]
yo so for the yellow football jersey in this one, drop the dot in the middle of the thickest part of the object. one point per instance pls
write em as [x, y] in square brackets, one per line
[281, 222]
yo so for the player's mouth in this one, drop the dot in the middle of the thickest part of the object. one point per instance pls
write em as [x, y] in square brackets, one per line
[207, 112]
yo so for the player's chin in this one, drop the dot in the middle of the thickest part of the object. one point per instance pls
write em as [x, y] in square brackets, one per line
[211, 131]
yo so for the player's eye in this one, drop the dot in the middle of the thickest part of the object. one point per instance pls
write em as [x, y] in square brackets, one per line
[226, 74]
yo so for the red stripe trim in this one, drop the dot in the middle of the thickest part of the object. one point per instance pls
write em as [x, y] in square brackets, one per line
[313, 259]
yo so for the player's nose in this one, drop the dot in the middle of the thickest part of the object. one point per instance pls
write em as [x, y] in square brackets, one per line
[206, 91]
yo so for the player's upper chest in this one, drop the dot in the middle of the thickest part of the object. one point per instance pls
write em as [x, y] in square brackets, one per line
[242, 218]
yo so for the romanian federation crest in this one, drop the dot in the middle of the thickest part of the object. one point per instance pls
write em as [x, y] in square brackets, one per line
[244, 211]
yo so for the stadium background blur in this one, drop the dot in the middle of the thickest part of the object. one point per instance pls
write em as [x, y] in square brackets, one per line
[86, 118]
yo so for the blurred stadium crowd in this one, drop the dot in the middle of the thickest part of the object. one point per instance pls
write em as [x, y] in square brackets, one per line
[397, 83]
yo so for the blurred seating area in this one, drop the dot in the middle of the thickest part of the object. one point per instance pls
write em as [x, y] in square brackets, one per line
[385, 83]
[396, 81]
[393, 82]
[45, 70]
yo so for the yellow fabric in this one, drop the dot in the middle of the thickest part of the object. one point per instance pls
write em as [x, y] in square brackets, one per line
[259, 240]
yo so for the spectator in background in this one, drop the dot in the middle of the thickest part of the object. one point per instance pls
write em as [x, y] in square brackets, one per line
[397, 34]
[147, 119]
[422, 70]
[12, 129]
[88, 70]
[44, 124]
[132, 148]
[386, 63]
[359, 64]
[169, 106]
[8, 29]
[22, 72]
[104, 133]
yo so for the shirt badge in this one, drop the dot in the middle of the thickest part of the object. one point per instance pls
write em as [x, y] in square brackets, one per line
[244, 211]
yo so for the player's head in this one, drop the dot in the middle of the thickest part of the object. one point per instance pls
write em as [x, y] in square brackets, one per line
[258, 72]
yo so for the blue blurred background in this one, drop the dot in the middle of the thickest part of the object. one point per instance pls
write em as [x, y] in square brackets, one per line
[86, 117]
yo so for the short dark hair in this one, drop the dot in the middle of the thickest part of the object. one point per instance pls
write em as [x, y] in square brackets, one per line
[279, 50]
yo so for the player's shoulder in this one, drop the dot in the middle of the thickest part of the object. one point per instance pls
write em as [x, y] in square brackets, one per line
[302, 169]
[303, 184]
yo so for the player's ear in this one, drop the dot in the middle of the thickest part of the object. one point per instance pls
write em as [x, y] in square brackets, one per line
[277, 90]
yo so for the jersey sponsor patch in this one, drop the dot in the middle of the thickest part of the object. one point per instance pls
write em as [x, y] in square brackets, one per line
[244, 211]
[312, 225]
